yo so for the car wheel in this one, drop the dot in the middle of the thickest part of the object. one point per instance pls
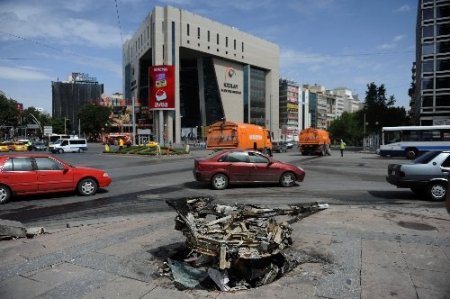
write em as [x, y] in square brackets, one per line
[219, 181]
[87, 187]
[287, 179]
[80, 150]
[5, 194]
[61, 151]
[436, 191]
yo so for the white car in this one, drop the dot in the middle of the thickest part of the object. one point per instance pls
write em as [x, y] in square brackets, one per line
[428, 174]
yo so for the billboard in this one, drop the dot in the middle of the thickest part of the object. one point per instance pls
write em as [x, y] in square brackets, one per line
[162, 87]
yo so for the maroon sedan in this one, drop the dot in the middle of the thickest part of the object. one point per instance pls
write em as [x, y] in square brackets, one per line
[238, 166]
[44, 173]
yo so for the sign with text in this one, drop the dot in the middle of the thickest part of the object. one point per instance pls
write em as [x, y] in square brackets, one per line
[48, 130]
[162, 87]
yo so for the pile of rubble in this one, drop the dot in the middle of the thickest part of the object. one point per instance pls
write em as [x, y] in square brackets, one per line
[233, 247]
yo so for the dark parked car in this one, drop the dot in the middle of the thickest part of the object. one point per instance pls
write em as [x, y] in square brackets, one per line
[238, 166]
[24, 174]
[428, 174]
[39, 146]
[279, 146]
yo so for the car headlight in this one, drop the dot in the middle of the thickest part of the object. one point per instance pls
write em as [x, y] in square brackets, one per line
[301, 169]
[105, 175]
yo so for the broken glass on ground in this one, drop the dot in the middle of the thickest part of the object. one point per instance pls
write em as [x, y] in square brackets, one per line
[237, 247]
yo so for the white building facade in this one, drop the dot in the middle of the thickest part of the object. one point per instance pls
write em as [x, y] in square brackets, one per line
[220, 73]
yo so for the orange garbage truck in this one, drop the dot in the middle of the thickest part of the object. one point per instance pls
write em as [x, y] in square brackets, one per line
[232, 135]
[314, 141]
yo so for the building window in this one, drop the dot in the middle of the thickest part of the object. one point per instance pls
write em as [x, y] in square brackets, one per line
[443, 100]
[428, 14]
[427, 101]
[188, 29]
[427, 49]
[427, 66]
[242, 46]
[209, 36]
[443, 64]
[442, 83]
[226, 41]
[443, 11]
[218, 38]
[443, 47]
[428, 31]
[443, 29]
[427, 84]
[235, 44]
[198, 32]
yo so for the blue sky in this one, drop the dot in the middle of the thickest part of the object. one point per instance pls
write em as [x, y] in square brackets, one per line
[335, 43]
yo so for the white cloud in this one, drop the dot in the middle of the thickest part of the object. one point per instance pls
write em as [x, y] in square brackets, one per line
[403, 8]
[175, 2]
[54, 27]
[22, 74]
[398, 38]
[392, 44]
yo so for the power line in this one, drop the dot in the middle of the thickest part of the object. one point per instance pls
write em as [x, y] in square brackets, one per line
[118, 21]
[42, 44]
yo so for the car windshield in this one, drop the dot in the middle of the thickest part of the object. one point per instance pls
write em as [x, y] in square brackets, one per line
[427, 157]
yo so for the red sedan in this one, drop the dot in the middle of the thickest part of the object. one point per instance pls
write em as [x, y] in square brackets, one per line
[238, 166]
[43, 173]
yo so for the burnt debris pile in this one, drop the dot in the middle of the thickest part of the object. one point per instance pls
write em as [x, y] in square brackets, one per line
[233, 247]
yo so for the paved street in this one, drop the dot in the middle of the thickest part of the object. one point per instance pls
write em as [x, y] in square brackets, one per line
[375, 241]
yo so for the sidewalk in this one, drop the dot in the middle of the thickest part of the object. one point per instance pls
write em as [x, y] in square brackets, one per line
[376, 252]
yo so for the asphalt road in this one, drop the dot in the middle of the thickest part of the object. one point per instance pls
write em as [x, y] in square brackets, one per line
[142, 184]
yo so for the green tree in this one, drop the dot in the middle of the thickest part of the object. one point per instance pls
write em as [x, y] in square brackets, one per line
[9, 114]
[33, 116]
[348, 128]
[59, 125]
[379, 110]
[9, 117]
[94, 118]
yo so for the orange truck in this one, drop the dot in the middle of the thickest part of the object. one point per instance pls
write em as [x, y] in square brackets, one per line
[231, 135]
[314, 141]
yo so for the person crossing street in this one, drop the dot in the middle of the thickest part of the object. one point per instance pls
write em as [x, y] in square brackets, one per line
[342, 147]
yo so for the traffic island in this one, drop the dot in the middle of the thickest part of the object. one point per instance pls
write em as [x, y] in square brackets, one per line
[148, 150]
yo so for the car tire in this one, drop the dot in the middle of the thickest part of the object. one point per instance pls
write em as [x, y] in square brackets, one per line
[80, 150]
[219, 181]
[437, 190]
[287, 179]
[61, 151]
[87, 187]
[5, 194]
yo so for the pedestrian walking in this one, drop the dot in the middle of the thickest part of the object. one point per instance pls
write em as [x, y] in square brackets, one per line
[342, 147]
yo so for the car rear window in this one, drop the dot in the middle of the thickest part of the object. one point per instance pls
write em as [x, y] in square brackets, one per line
[18, 164]
[427, 157]
[234, 157]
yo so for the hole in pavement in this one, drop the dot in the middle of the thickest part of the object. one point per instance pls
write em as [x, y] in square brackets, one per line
[416, 225]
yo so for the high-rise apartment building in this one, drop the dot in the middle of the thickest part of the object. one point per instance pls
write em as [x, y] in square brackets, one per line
[290, 109]
[70, 96]
[432, 74]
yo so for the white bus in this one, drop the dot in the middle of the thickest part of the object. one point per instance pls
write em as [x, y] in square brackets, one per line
[411, 141]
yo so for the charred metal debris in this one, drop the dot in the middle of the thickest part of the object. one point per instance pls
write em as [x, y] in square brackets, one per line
[233, 247]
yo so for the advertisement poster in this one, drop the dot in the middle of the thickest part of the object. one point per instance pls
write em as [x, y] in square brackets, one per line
[162, 87]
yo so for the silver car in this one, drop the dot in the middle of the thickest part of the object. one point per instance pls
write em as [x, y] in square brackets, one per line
[428, 174]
